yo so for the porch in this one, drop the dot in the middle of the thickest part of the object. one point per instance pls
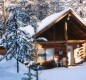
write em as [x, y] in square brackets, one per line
[73, 52]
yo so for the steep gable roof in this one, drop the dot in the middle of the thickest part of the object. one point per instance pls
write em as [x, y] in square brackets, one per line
[58, 16]
[52, 19]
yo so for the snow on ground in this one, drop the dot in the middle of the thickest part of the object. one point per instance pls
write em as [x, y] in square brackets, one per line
[8, 72]
[71, 73]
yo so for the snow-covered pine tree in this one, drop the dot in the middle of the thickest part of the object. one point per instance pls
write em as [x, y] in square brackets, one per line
[42, 9]
[17, 43]
[79, 6]
[56, 6]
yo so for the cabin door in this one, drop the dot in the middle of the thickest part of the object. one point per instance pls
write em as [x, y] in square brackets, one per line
[70, 55]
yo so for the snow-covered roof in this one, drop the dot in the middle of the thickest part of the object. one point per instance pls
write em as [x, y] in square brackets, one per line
[48, 20]
[84, 19]
[42, 39]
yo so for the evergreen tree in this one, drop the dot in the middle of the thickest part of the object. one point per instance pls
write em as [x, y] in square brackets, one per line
[42, 9]
[17, 42]
[79, 6]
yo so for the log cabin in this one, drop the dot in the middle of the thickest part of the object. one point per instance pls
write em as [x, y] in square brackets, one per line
[66, 36]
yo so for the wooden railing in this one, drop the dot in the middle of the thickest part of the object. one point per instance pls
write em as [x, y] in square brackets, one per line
[82, 52]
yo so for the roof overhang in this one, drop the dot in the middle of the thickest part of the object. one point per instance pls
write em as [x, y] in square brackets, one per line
[59, 16]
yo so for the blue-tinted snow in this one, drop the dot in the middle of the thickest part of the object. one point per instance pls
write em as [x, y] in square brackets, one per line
[8, 72]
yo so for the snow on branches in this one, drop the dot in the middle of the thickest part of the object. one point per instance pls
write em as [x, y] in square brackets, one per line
[17, 42]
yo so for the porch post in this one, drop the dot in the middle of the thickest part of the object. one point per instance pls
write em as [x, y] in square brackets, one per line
[66, 37]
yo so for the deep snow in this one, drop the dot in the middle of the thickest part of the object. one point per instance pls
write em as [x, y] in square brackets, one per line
[8, 72]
